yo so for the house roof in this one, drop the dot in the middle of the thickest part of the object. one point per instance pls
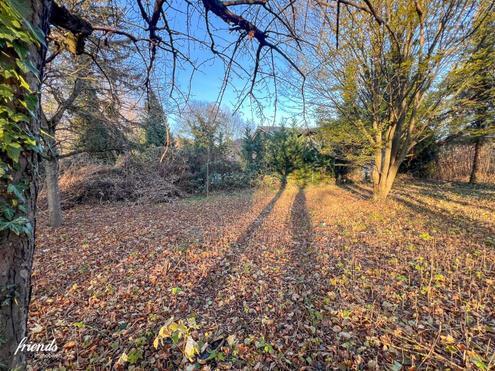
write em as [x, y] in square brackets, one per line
[274, 129]
[268, 129]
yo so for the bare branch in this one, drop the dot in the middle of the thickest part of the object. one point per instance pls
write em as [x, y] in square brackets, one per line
[66, 104]
[244, 2]
[113, 30]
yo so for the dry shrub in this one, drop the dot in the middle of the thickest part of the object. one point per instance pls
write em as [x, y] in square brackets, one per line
[134, 177]
[455, 162]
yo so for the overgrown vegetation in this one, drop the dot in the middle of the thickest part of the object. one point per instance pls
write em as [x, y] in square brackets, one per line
[383, 81]
[18, 105]
[385, 115]
[278, 258]
[296, 278]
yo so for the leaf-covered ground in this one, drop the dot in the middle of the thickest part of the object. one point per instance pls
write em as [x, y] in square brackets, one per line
[315, 278]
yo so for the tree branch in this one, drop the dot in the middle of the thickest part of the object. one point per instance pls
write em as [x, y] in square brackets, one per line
[117, 32]
[220, 10]
[66, 104]
[244, 2]
[79, 27]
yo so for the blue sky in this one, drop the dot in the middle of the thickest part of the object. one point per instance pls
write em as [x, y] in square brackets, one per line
[207, 81]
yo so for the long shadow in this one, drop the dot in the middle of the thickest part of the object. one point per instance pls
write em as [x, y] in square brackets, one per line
[300, 221]
[419, 206]
[483, 191]
[301, 253]
[301, 272]
[110, 259]
[218, 275]
[184, 235]
[364, 193]
[473, 197]
[459, 202]
[479, 190]
[293, 291]
[356, 190]
[443, 218]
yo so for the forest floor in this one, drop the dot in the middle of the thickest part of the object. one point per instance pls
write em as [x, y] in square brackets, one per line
[317, 277]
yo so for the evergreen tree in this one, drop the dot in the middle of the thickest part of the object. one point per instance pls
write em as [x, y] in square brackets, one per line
[473, 98]
[155, 122]
[209, 129]
[285, 150]
[252, 151]
[384, 81]
[97, 133]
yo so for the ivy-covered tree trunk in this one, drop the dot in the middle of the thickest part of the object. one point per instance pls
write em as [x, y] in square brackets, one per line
[16, 250]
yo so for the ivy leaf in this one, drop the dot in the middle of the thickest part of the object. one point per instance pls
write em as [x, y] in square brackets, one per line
[8, 212]
[13, 189]
[134, 356]
[18, 225]
[14, 151]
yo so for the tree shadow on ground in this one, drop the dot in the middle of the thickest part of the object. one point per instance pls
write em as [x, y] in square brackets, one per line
[302, 231]
[478, 190]
[443, 218]
[131, 243]
[305, 283]
[290, 285]
[301, 253]
[276, 297]
[218, 275]
[356, 190]
[471, 194]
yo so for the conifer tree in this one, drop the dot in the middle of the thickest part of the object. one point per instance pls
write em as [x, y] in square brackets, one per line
[473, 98]
[252, 151]
[155, 122]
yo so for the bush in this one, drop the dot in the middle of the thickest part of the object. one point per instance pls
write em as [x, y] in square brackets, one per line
[422, 162]
[135, 176]
[267, 181]
[229, 181]
[308, 175]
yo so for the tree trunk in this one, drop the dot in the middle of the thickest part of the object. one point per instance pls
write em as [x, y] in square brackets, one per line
[53, 192]
[51, 175]
[283, 181]
[208, 172]
[384, 174]
[384, 186]
[473, 178]
[16, 252]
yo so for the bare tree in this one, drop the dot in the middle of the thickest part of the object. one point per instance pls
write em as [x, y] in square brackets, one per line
[269, 25]
[52, 154]
[382, 80]
[67, 79]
